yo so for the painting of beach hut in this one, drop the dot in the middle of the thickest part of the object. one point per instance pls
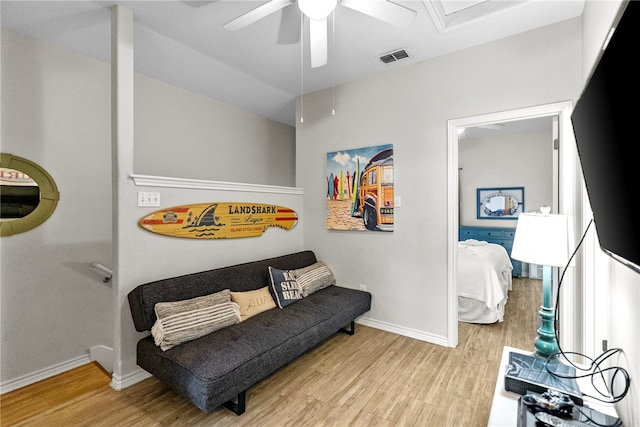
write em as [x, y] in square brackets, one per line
[360, 189]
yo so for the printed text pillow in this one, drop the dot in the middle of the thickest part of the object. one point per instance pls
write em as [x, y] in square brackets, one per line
[253, 302]
[284, 287]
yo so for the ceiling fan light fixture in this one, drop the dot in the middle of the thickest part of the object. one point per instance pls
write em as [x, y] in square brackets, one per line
[317, 9]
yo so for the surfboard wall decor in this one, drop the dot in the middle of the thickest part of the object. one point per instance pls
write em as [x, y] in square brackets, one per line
[221, 220]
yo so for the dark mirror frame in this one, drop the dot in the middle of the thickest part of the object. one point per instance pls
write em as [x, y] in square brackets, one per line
[49, 195]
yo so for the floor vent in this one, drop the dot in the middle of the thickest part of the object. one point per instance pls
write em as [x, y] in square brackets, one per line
[397, 55]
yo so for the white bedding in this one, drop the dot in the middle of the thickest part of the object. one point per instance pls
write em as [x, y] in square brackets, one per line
[484, 281]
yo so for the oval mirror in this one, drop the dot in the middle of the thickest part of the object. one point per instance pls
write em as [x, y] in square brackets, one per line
[28, 195]
[19, 193]
[500, 205]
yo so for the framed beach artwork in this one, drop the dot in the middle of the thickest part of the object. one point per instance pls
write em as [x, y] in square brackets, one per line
[360, 189]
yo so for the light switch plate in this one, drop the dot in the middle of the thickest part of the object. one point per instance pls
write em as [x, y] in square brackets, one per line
[147, 198]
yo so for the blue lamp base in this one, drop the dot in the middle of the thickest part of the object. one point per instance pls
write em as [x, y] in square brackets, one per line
[546, 344]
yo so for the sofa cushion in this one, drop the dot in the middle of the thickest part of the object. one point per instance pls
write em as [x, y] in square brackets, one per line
[313, 278]
[181, 321]
[284, 287]
[253, 302]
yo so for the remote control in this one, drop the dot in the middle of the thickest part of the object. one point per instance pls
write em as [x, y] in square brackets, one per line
[550, 401]
[552, 421]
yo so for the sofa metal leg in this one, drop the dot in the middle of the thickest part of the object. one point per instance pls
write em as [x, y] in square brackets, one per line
[239, 406]
[351, 329]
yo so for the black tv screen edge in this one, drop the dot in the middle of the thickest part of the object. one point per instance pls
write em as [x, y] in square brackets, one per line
[605, 123]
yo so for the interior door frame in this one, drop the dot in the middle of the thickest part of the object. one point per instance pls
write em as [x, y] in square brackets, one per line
[569, 203]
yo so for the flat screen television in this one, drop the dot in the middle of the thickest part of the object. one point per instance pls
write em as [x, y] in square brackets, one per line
[604, 122]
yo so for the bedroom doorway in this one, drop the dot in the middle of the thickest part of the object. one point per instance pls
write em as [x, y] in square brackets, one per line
[563, 178]
[516, 159]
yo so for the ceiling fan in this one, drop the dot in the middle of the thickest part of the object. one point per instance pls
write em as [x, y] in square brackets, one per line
[318, 10]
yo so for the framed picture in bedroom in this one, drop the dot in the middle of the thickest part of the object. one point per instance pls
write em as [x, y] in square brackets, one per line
[360, 193]
[500, 203]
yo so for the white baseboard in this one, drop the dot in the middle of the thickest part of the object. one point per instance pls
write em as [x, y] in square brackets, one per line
[103, 355]
[120, 382]
[43, 374]
[401, 330]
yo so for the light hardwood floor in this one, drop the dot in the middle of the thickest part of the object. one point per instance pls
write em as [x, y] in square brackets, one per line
[373, 378]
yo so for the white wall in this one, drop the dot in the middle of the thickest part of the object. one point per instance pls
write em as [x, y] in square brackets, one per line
[624, 333]
[623, 284]
[514, 160]
[182, 134]
[55, 112]
[409, 107]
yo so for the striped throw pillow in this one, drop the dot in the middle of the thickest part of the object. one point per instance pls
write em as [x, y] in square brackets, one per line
[182, 321]
[314, 277]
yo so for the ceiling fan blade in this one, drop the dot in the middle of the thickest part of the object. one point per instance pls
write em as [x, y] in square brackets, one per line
[383, 10]
[257, 14]
[289, 31]
[318, 42]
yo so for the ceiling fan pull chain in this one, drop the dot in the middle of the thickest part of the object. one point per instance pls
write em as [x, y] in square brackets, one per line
[333, 66]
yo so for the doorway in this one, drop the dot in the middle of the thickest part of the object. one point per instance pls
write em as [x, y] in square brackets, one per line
[568, 186]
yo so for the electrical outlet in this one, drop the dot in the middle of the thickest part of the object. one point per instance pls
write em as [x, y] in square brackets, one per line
[363, 288]
[397, 201]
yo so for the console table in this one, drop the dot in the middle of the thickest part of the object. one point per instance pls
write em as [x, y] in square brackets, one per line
[499, 235]
[504, 408]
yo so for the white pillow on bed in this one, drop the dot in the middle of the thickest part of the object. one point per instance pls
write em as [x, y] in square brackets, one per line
[473, 242]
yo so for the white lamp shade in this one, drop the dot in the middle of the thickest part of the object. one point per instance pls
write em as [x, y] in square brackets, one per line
[543, 239]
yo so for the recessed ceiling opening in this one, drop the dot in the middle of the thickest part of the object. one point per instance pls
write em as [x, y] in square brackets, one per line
[447, 14]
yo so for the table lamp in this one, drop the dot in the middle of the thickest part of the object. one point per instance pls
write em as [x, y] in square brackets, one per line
[544, 239]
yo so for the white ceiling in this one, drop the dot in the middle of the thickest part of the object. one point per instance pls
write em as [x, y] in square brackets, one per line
[184, 43]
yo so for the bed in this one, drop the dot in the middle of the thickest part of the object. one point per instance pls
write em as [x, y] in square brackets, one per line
[484, 281]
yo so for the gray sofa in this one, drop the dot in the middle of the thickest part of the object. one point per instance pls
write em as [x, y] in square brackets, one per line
[218, 368]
